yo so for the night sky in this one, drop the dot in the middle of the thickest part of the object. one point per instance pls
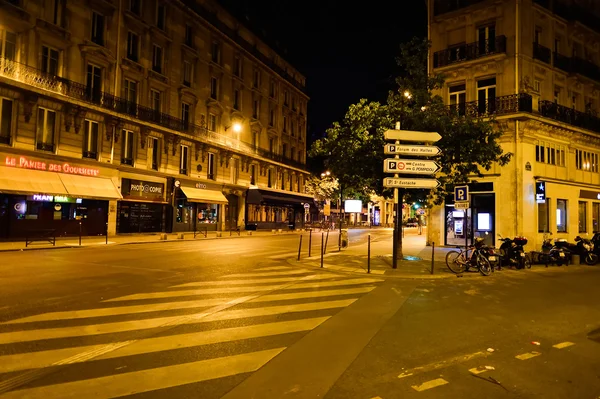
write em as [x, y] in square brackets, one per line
[347, 52]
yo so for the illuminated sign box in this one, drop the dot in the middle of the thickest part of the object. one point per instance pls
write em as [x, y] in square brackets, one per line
[54, 198]
[540, 192]
[353, 206]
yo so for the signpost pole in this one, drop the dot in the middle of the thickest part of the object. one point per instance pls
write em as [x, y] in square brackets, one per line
[397, 216]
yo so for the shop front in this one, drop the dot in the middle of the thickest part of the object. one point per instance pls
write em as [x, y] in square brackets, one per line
[267, 209]
[54, 196]
[479, 220]
[200, 206]
[143, 208]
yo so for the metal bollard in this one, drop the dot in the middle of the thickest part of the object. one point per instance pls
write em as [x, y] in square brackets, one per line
[80, 233]
[326, 241]
[309, 241]
[106, 233]
[432, 255]
[300, 247]
[322, 249]
[369, 255]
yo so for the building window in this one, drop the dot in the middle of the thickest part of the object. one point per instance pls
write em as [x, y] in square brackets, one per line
[556, 94]
[561, 215]
[133, 46]
[299, 156]
[183, 160]
[271, 145]
[283, 180]
[253, 174]
[187, 74]
[185, 115]
[45, 129]
[255, 139]
[237, 66]
[486, 96]
[135, 6]
[97, 28]
[293, 153]
[212, 122]
[155, 100]
[8, 45]
[595, 217]
[157, 58]
[582, 210]
[235, 170]
[155, 152]
[293, 128]
[127, 145]
[6, 115]
[50, 60]
[94, 83]
[90, 140]
[269, 178]
[286, 97]
[486, 39]
[458, 98]
[544, 216]
[284, 150]
[272, 117]
[161, 16]
[550, 153]
[189, 36]
[285, 123]
[214, 88]
[587, 161]
[255, 108]
[272, 89]
[215, 52]
[557, 45]
[236, 99]
[574, 101]
[256, 79]
[211, 166]
[57, 12]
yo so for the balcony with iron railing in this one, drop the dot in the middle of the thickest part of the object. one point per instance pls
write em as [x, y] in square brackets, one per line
[542, 53]
[572, 11]
[585, 120]
[445, 6]
[469, 51]
[36, 78]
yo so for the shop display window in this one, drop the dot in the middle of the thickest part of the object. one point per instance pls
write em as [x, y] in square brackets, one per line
[207, 213]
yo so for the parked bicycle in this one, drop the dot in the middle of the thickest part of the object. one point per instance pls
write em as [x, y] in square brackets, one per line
[473, 256]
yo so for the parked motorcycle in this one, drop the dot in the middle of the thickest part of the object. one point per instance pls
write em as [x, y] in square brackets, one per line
[489, 252]
[556, 253]
[512, 252]
[585, 249]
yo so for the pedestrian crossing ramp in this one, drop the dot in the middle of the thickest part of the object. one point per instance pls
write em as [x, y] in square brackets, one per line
[185, 336]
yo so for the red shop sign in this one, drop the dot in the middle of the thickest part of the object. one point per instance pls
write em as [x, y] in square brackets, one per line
[29, 163]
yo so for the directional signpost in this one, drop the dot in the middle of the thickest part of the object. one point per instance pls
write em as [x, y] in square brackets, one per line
[398, 166]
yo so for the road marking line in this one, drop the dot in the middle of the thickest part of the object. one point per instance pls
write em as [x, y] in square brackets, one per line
[315, 294]
[528, 355]
[563, 345]
[120, 310]
[267, 274]
[205, 291]
[355, 281]
[477, 370]
[153, 379]
[273, 268]
[443, 363]
[429, 384]
[252, 281]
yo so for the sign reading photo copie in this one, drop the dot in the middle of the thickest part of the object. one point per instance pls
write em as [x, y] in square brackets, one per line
[139, 189]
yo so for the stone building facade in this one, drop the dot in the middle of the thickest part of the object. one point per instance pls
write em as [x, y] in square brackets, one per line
[534, 64]
[133, 116]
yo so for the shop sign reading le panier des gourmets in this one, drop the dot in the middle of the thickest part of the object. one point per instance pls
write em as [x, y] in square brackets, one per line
[35, 164]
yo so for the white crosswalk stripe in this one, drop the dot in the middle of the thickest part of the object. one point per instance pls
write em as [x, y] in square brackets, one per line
[267, 294]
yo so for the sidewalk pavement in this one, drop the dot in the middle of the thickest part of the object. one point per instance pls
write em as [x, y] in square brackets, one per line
[124, 239]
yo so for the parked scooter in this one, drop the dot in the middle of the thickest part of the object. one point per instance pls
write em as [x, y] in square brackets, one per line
[512, 252]
[585, 249]
[556, 253]
[489, 252]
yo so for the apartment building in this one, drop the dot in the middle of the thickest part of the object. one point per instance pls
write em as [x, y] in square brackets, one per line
[534, 66]
[145, 116]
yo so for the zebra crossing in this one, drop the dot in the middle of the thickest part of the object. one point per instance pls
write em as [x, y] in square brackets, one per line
[189, 334]
[231, 250]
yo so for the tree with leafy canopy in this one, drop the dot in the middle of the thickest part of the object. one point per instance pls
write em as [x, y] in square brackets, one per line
[353, 147]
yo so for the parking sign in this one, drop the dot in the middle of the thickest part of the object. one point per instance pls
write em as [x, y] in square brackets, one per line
[461, 194]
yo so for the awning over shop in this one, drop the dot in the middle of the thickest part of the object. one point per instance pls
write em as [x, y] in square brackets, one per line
[90, 187]
[258, 196]
[203, 195]
[24, 181]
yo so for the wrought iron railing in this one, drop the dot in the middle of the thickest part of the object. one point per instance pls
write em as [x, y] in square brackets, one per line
[585, 120]
[542, 53]
[469, 51]
[444, 6]
[562, 62]
[39, 79]
[502, 105]
[585, 68]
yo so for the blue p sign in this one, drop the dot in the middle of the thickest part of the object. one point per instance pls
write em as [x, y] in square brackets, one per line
[461, 194]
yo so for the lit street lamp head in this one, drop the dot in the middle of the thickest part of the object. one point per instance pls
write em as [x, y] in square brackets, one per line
[407, 94]
[237, 127]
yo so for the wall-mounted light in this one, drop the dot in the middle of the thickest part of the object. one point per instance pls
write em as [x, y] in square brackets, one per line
[236, 126]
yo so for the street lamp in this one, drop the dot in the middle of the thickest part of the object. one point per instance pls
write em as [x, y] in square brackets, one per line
[237, 127]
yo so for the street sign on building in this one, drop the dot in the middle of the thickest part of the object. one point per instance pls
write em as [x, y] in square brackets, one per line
[399, 182]
[410, 166]
[461, 194]
[540, 192]
[461, 205]
[417, 150]
[408, 135]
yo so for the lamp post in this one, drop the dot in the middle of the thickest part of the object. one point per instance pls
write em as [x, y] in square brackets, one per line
[339, 208]
[398, 196]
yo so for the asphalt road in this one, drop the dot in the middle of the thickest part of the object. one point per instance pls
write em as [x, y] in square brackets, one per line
[235, 318]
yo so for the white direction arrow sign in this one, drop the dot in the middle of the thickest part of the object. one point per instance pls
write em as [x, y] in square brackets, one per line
[394, 182]
[422, 150]
[410, 166]
[408, 135]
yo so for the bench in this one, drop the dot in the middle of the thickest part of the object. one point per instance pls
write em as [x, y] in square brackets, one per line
[40, 235]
